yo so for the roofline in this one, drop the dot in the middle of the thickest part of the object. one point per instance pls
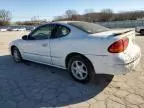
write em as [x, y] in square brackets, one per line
[65, 21]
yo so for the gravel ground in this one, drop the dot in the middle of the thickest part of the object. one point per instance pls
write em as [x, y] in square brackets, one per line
[32, 85]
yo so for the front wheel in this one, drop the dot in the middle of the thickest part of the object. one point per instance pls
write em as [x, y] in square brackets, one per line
[81, 69]
[16, 55]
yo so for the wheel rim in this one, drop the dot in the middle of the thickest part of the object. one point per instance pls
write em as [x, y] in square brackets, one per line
[16, 55]
[79, 70]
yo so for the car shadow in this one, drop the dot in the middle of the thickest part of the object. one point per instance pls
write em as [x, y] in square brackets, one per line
[40, 85]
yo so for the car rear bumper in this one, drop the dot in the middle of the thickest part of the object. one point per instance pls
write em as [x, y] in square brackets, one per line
[126, 68]
[116, 65]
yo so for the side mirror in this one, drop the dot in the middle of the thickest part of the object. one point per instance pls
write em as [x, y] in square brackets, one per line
[25, 37]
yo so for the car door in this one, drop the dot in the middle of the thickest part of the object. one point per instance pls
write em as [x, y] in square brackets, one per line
[57, 44]
[37, 47]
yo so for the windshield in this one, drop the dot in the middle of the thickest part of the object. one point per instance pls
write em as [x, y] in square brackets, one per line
[89, 27]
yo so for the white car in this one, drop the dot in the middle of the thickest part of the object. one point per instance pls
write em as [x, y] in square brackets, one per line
[3, 29]
[140, 30]
[85, 49]
[21, 29]
[15, 29]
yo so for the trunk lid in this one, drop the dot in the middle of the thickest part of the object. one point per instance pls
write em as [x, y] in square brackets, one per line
[117, 34]
[113, 33]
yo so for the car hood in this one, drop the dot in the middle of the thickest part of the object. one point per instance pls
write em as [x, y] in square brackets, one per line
[111, 33]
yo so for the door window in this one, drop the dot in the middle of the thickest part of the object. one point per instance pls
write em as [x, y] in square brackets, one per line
[43, 32]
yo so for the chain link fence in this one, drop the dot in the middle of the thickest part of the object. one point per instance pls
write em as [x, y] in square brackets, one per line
[122, 24]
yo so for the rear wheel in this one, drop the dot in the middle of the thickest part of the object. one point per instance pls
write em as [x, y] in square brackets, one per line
[16, 55]
[142, 31]
[81, 69]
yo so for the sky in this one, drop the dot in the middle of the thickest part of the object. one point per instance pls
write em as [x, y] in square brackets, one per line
[47, 9]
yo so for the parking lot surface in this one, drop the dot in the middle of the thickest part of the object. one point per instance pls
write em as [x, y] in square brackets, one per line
[32, 85]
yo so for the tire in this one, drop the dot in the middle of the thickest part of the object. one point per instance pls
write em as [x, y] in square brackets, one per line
[86, 69]
[142, 32]
[16, 55]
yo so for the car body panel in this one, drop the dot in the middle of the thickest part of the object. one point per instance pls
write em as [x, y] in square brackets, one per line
[35, 50]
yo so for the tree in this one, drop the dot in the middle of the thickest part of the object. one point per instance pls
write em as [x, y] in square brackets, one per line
[59, 18]
[103, 16]
[5, 17]
[70, 13]
[106, 15]
[86, 11]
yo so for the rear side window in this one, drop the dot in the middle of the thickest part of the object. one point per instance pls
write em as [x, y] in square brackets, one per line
[61, 31]
[89, 27]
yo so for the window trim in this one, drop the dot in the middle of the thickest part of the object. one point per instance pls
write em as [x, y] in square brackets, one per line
[54, 34]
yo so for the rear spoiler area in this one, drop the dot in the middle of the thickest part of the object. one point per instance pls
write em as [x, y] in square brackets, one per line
[116, 34]
[122, 32]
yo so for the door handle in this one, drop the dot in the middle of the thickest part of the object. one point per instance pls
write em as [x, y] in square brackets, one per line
[44, 45]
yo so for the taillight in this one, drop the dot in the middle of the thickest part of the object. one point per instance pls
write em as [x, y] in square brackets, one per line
[119, 46]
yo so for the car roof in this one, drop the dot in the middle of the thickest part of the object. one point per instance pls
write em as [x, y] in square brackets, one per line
[59, 22]
[66, 21]
[63, 22]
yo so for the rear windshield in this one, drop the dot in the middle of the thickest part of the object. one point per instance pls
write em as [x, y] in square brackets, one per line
[89, 27]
